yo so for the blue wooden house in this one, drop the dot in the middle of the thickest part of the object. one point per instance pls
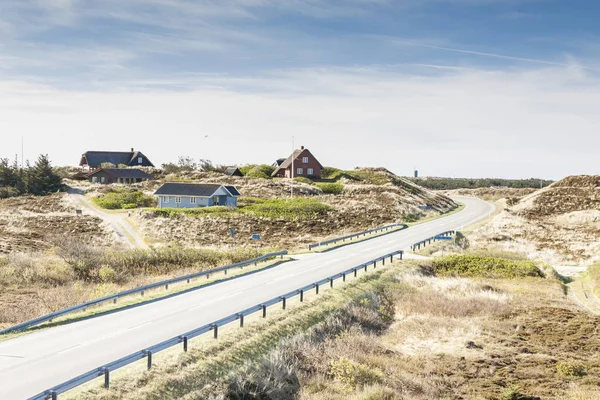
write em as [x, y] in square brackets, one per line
[192, 195]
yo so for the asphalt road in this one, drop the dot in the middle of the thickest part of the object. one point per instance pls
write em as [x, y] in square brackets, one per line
[36, 362]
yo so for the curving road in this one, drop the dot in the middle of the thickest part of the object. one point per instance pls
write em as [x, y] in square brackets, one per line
[33, 363]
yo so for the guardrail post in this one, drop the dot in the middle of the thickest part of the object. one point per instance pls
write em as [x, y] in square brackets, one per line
[366, 266]
[225, 271]
[317, 288]
[344, 277]
[283, 302]
[241, 320]
[391, 258]
[331, 282]
[264, 309]
[149, 355]
[185, 344]
[301, 296]
[114, 301]
[383, 261]
[355, 273]
[401, 254]
[167, 286]
[207, 276]
[54, 396]
[106, 378]
[216, 331]
[142, 293]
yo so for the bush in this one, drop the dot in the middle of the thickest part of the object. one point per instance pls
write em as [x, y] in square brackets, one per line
[487, 267]
[257, 171]
[302, 179]
[353, 374]
[193, 212]
[291, 209]
[124, 198]
[571, 368]
[107, 274]
[330, 188]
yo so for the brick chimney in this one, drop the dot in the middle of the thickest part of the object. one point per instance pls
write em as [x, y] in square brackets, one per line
[132, 149]
[301, 147]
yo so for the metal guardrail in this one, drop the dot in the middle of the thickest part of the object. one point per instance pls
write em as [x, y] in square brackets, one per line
[364, 233]
[425, 242]
[140, 289]
[147, 353]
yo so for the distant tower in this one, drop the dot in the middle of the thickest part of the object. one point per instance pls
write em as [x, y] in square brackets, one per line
[416, 173]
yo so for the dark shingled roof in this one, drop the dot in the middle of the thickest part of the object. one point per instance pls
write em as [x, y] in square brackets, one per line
[96, 158]
[233, 190]
[191, 189]
[233, 171]
[279, 161]
[124, 173]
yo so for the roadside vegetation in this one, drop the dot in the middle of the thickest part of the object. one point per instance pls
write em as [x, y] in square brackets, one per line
[123, 198]
[402, 333]
[35, 284]
[435, 183]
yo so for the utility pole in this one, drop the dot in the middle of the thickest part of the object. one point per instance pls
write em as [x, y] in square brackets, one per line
[292, 171]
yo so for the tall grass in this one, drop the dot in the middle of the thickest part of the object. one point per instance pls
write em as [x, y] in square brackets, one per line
[487, 267]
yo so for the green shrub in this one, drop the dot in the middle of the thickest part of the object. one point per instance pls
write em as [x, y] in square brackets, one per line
[193, 212]
[124, 198]
[571, 368]
[257, 171]
[302, 179]
[512, 393]
[487, 267]
[353, 374]
[290, 209]
[327, 172]
[107, 274]
[330, 188]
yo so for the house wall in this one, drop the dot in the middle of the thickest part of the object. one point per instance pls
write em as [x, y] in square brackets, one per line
[186, 202]
[99, 175]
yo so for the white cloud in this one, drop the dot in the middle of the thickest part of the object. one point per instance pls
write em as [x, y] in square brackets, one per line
[466, 123]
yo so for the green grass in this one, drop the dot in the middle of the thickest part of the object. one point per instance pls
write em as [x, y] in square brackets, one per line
[263, 171]
[330, 187]
[303, 179]
[288, 209]
[123, 199]
[485, 267]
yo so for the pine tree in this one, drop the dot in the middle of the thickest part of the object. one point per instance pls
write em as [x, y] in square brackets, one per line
[41, 179]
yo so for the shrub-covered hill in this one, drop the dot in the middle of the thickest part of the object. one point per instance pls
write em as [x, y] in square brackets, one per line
[560, 223]
[352, 200]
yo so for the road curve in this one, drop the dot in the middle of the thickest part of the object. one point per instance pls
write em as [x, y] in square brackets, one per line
[33, 363]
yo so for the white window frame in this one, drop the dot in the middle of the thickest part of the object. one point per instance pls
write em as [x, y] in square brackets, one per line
[192, 200]
[305, 160]
[300, 171]
[140, 160]
[178, 199]
[165, 199]
[94, 179]
[310, 171]
[102, 179]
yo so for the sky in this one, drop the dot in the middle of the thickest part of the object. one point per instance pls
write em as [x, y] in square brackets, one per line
[458, 88]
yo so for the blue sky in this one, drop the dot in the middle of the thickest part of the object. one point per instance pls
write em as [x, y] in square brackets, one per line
[454, 87]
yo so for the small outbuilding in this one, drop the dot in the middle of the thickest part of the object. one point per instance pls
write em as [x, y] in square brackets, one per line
[192, 195]
[118, 175]
[233, 171]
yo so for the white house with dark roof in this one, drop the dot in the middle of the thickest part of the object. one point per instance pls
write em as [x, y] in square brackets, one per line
[192, 195]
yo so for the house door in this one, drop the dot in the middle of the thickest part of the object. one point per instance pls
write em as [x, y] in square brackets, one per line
[215, 201]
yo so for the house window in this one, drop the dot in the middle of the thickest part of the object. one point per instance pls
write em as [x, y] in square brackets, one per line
[309, 171]
[305, 160]
[165, 199]
[140, 160]
[95, 179]
[299, 171]
[193, 200]
[102, 179]
[177, 199]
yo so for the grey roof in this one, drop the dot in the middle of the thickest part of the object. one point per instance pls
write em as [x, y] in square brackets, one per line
[124, 173]
[233, 190]
[191, 189]
[96, 158]
[288, 161]
[231, 171]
